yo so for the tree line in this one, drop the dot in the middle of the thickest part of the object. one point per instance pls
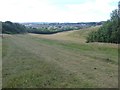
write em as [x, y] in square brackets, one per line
[48, 30]
[9, 27]
[13, 28]
[110, 30]
[16, 28]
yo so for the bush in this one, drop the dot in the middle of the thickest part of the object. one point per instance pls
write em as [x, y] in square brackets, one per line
[109, 32]
[13, 28]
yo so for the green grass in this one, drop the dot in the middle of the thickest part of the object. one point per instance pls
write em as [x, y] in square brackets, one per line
[30, 61]
[85, 49]
[83, 33]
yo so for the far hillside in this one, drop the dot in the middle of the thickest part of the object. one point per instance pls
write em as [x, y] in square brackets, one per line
[9, 27]
[75, 36]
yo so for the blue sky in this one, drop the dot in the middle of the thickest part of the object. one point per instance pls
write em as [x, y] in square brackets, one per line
[56, 10]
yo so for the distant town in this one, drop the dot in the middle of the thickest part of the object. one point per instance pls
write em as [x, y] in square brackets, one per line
[61, 25]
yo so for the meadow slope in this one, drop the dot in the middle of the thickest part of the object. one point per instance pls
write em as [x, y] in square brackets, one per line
[58, 61]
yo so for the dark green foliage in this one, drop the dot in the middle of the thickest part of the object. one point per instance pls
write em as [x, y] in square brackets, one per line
[13, 28]
[109, 32]
[48, 31]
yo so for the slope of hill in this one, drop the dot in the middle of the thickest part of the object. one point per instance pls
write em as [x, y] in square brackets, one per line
[76, 36]
[58, 61]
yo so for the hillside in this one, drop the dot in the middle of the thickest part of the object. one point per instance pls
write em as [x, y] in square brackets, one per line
[58, 61]
[75, 35]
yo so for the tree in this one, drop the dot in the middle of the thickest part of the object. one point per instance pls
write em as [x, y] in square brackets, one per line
[13, 28]
[110, 31]
[119, 9]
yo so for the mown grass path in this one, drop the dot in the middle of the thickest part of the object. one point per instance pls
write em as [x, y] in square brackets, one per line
[30, 61]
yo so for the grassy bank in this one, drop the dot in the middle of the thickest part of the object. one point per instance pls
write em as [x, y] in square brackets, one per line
[51, 61]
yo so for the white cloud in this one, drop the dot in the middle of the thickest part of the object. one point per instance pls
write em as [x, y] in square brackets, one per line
[92, 11]
[45, 11]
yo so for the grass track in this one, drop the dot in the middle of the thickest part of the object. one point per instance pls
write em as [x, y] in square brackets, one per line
[33, 61]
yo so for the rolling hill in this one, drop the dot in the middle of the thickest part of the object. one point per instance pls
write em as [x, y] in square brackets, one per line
[61, 60]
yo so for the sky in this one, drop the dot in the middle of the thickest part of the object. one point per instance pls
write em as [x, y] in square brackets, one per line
[56, 10]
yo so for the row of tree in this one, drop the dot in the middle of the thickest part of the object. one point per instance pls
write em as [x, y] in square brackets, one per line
[48, 31]
[110, 31]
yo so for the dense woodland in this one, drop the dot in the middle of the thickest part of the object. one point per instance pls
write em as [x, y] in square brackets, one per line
[110, 31]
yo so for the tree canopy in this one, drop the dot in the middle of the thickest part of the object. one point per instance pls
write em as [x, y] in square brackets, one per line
[110, 31]
[13, 28]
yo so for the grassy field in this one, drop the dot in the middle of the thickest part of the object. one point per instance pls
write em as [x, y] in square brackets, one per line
[61, 60]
